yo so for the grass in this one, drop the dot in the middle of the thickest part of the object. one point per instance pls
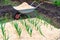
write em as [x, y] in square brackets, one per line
[17, 29]
[6, 18]
[3, 32]
[9, 2]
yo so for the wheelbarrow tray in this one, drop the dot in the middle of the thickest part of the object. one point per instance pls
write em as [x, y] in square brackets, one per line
[26, 10]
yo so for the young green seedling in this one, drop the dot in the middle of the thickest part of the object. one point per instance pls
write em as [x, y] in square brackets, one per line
[30, 32]
[3, 32]
[40, 31]
[17, 29]
[35, 22]
[29, 29]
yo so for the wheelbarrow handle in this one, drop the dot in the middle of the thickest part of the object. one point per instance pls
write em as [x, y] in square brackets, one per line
[36, 2]
[39, 5]
[33, 2]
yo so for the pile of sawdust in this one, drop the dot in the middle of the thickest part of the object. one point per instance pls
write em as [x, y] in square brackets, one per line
[22, 6]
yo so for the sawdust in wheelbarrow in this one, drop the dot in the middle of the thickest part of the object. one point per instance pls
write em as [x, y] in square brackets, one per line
[24, 5]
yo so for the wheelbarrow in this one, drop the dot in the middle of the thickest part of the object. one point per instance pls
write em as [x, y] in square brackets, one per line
[27, 10]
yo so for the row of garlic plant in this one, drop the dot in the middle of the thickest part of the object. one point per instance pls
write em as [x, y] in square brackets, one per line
[18, 29]
[35, 23]
[4, 32]
[28, 28]
[42, 18]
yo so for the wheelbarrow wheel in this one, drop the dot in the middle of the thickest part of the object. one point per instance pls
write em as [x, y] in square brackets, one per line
[17, 16]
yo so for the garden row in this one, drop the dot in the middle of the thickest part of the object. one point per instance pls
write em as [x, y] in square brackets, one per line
[34, 22]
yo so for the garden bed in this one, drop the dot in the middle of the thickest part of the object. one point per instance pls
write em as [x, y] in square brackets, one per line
[31, 28]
